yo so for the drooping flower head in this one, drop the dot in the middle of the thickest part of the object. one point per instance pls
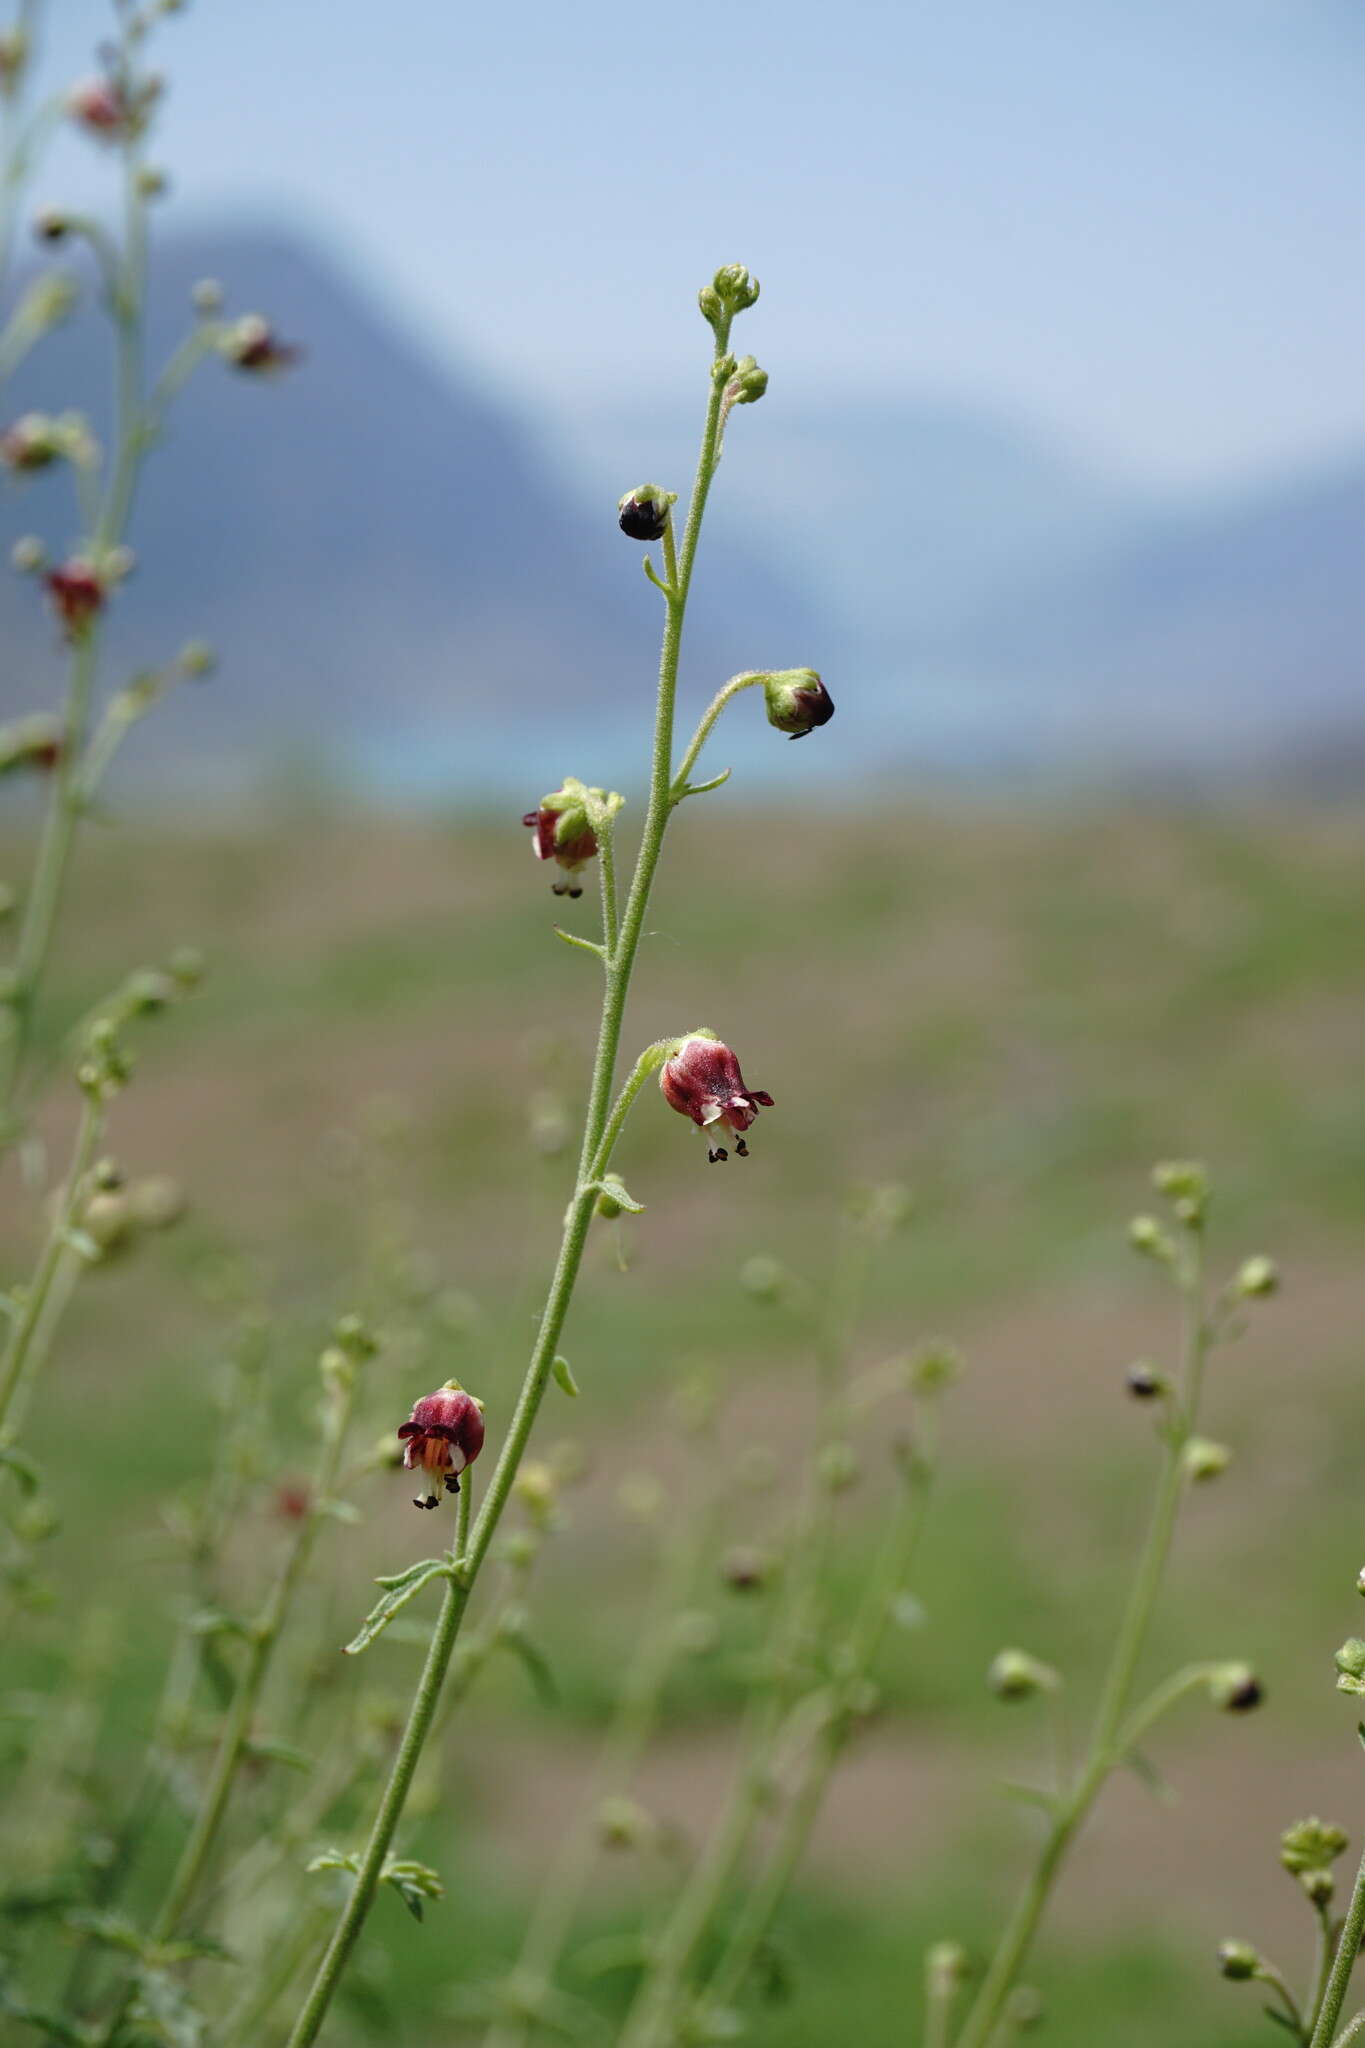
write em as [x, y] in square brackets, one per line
[251, 344]
[702, 1080]
[78, 593]
[443, 1435]
[797, 701]
[563, 834]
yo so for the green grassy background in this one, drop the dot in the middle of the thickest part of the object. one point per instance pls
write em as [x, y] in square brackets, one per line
[1013, 1012]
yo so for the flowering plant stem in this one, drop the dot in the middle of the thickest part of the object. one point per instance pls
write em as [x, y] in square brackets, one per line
[1339, 1978]
[1107, 1746]
[71, 790]
[618, 967]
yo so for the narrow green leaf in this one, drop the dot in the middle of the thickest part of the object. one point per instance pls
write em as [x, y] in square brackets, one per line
[393, 1601]
[614, 1188]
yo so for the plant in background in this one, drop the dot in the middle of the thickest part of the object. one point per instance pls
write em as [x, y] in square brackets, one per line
[1308, 1851]
[71, 751]
[1123, 1721]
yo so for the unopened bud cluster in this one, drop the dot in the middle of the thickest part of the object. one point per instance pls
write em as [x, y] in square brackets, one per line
[1014, 1675]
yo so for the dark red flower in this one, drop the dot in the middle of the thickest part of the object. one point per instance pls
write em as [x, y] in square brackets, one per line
[444, 1434]
[703, 1081]
[77, 594]
[99, 104]
[563, 834]
[292, 1500]
[253, 345]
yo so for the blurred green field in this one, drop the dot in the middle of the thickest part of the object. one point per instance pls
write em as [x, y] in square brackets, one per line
[1012, 1011]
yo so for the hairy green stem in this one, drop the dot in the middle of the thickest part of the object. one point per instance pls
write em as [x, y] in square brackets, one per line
[1104, 1752]
[1343, 1964]
[619, 967]
[706, 724]
[1352, 2032]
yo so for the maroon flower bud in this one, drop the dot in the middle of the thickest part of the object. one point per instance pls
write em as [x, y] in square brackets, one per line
[292, 1500]
[33, 442]
[703, 1081]
[251, 344]
[37, 741]
[797, 701]
[563, 834]
[100, 106]
[444, 1434]
[77, 594]
[643, 513]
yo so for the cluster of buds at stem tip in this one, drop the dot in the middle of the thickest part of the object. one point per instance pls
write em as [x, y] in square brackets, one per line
[566, 824]
[702, 1080]
[443, 1434]
[797, 701]
[730, 291]
[1350, 1663]
[1308, 1850]
[642, 514]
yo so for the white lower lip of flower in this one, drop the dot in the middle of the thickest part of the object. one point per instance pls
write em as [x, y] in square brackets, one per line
[712, 1114]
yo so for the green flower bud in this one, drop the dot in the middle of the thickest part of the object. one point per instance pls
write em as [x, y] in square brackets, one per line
[746, 1569]
[1257, 1278]
[1318, 1886]
[1146, 1236]
[1351, 1657]
[1182, 1180]
[746, 384]
[1014, 1675]
[623, 1823]
[946, 1966]
[1235, 1688]
[797, 701]
[1238, 1960]
[735, 288]
[1203, 1459]
[838, 1467]
[762, 1278]
[1311, 1845]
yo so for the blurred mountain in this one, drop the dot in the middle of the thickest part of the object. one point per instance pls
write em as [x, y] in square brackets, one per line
[1238, 627]
[410, 576]
[378, 549]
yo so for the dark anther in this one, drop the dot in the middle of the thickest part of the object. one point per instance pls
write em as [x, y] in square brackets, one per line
[741, 1148]
[719, 1154]
[452, 1482]
[424, 1500]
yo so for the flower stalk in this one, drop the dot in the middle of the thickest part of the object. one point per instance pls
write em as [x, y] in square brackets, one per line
[1108, 1746]
[618, 962]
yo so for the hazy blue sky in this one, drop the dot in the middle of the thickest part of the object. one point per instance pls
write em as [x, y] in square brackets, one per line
[1142, 220]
